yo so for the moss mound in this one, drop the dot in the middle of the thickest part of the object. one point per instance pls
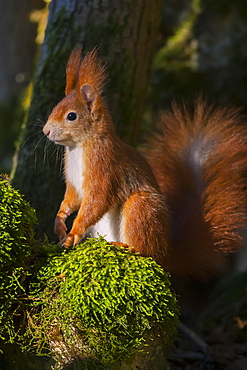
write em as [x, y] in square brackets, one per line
[97, 302]
[17, 218]
[101, 301]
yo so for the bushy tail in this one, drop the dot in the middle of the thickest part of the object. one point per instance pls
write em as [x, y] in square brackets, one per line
[199, 159]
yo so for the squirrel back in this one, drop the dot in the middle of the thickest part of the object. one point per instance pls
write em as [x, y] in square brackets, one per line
[199, 160]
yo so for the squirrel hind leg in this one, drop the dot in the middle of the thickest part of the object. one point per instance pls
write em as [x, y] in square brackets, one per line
[145, 225]
[123, 245]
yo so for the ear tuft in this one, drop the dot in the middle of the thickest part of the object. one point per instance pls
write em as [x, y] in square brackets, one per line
[89, 96]
[92, 72]
[72, 69]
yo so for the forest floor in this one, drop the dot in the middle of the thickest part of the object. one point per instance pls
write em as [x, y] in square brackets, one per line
[213, 334]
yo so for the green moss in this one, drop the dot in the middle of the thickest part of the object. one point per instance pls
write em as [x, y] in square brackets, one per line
[16, 238]
[96, 303]
[100, 302]
[17, 218]
[21, 257]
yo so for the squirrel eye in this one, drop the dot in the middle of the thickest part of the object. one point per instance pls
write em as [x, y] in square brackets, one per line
[71, 116]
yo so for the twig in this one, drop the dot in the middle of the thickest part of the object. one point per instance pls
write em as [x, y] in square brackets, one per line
[192, 335]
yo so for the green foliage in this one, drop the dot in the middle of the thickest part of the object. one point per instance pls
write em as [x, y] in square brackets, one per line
[203, 54]
[175, 68]
[179, 49]
[16, 238]
[101, 301]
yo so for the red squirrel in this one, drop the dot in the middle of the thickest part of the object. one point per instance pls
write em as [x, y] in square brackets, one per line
[182, 202]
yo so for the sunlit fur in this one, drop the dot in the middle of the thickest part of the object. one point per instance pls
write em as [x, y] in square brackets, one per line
[200, 160]
[185, 212]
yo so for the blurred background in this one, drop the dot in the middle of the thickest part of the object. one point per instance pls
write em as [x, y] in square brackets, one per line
[21, 33]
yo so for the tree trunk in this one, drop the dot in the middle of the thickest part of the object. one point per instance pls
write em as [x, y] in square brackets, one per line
[126, 33]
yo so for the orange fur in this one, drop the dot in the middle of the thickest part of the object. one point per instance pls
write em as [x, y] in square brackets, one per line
[186, 211]
[72, 70]
[199, 161]
[92, 71]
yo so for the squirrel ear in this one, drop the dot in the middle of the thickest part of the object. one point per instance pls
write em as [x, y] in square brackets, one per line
[89, 96]
[92, 72]
[72, 69]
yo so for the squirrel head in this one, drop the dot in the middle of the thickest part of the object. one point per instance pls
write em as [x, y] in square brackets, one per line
[79, 114]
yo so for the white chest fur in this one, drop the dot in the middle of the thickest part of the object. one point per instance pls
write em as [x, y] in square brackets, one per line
[74, 168]
[109, 225]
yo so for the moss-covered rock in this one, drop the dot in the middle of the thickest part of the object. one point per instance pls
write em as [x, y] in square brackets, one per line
[100, 302]
[89, 308]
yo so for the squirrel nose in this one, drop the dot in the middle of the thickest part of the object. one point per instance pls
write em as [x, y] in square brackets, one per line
[46, 131]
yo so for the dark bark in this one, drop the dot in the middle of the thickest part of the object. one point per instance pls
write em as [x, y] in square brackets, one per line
[126, 33]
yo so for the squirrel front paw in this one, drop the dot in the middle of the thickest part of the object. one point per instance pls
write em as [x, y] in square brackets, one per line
[67, 241]
[70, 240]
